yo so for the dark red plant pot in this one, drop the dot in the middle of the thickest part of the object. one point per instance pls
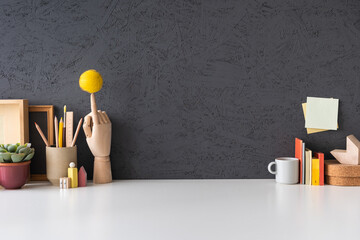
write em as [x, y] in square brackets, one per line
[14, 175]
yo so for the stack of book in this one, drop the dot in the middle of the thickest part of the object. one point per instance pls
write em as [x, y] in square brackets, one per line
[311, 164]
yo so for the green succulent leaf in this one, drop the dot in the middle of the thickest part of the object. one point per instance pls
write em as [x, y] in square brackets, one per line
[12, 148]
[20, 147]
[17, 157]
[1, 159]
[29, 157]
[2, 150]
[26, 150]
[5, 156]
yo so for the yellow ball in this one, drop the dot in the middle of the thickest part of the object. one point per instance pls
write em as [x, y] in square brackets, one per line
[90, 81]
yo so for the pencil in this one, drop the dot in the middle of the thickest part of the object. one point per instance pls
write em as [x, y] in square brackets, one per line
[61, 133]
[64, 126]
[56, 131]
[42, 135]
[76, 132]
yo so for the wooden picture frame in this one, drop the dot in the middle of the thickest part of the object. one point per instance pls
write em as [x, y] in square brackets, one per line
[37, 113]
[14, 121]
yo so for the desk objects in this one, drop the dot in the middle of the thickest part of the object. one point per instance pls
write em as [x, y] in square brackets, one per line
[15, 162]
[57, 162]
[342, 174]
[287, 170]
[65, 182]
[352, 153]
[42, 135]
[308, 166]
[97, 128]
[56, 131]
[76, 133]
[82, 177]
[312, 130]
[61, 131]
[64, 128]
[14, 113]
[311, 164]
[322, 113]
[43, 115]
[69, 122]
[73, 175]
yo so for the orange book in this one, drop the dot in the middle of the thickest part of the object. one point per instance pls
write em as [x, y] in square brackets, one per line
[299, 155]
[320, 156]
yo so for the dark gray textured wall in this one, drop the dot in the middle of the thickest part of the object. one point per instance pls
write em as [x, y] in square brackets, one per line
[195, 89]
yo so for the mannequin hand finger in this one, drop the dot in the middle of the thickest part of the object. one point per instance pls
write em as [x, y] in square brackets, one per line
[101, 117]
[94, 109]
[87, 126]
[107, 119]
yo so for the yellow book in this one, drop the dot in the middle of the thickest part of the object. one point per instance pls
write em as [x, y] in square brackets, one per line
[315, 171]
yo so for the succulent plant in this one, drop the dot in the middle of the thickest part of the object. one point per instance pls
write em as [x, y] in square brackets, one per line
[14, 153]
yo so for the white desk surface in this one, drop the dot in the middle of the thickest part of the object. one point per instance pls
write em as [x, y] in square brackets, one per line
[181, 209]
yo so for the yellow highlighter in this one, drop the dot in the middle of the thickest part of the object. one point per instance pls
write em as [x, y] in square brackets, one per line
[61, 125]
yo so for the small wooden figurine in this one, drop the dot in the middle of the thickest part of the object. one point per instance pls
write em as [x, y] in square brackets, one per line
[73, 174]
[97, 128]
[82, 177]
[352, 153]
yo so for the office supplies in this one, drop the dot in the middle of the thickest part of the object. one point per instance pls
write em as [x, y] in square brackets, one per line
[322, 113]
[69, 128]
[303, 163]
[341, 174]
[56, 131]
[61, 126]
[42, 135]
[299, 155]
[320, 156]
[82, 177]
[76, 133]
[14, 111]
[287, 170]
[65, 182]
[312, 130]
[64, 128]
[57, 162]
[315, 172]
[352, 153]
[308, 158]
[73, 175]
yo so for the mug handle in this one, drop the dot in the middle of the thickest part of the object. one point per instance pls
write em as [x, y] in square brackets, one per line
[269, 168]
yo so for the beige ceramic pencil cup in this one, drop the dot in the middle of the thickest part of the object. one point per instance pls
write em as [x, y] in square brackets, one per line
[57, 162]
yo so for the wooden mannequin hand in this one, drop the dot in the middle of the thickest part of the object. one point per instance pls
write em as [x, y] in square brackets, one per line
[97, 128]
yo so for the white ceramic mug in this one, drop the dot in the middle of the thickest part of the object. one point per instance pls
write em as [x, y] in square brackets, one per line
[287, 170]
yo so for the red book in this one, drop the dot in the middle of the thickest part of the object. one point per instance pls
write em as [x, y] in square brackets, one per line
[299, 155]
[320, 156]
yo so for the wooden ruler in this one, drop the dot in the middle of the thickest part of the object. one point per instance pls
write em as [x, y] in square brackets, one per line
[69, 128]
